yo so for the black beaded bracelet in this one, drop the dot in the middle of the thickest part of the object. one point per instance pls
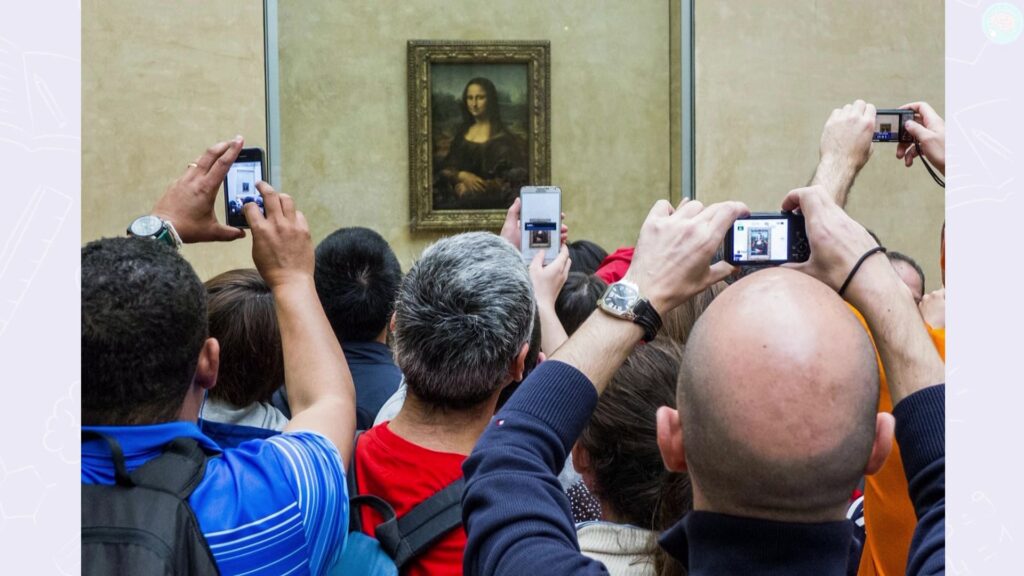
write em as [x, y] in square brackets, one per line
[856, 266]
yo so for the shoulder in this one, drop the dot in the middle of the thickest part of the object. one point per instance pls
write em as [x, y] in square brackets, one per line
[302, 496]
[280, 468]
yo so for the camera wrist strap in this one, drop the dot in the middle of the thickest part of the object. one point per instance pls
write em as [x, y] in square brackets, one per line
[928, 166]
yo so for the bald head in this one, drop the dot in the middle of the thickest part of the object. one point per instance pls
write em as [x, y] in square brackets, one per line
[777, 394]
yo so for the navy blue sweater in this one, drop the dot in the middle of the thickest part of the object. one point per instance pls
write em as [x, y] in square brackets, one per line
[518, 519]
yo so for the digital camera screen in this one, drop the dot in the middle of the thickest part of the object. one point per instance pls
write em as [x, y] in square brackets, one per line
[887, 127]
[760, 240]
[241, 187]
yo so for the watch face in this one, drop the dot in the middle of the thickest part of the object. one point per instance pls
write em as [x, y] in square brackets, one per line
[146, 226]
[620, 298]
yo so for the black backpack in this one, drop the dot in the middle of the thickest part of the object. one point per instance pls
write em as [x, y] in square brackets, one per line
[143, 524]
[397, 540]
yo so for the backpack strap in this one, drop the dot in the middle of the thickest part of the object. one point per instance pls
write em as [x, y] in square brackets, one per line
[355, 522]
[177, 471]
[121, 477]
[407, 537]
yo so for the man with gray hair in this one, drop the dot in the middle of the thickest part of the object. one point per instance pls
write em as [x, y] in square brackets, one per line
[462, 326]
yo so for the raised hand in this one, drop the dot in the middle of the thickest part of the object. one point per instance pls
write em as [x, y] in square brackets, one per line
[929, 130]
[281, 245]
[188, 203]
[673, 253]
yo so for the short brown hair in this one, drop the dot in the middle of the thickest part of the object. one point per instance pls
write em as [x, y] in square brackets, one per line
[243, 319]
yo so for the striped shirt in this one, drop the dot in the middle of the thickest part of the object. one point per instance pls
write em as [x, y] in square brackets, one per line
[276, 506]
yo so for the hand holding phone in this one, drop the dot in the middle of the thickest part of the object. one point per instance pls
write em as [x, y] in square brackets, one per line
[189, 202]
[540, 221]
[767, 239]
[240, 185]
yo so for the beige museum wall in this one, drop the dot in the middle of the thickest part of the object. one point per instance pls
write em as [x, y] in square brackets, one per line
[344, 118]
[767, 78]
[161, 81]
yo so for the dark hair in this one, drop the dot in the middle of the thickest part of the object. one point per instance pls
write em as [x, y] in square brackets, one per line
[586, 256]
[492, 112]
[621, 442]
[357, 277]
[529, 363]
[244, 322]
[143, 326]
[895, 256]
[578, 299]
[463, 313]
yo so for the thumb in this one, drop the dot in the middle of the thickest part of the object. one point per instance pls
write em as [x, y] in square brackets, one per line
[919, 132]
[224, 233]
[538, 261]
[719, 271]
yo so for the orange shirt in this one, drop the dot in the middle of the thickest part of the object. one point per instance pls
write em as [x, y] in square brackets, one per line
[889, 518]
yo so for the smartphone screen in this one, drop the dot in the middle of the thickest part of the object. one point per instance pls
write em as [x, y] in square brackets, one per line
[540, 221]
[889, 126]
[240, 185]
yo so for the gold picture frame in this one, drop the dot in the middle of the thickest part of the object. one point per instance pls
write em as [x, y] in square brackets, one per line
[474, 141]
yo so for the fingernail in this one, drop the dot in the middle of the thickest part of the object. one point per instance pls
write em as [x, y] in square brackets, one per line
[238, 138]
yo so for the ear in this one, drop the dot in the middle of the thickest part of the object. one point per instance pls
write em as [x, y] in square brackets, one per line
[885, 426]
[581, 463]
[391, 325]
[209, 363]
[541, 357]
[518, 366]
[670, 439]
[580, 459]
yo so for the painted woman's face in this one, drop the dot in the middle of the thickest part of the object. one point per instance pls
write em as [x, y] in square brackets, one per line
[476, 100]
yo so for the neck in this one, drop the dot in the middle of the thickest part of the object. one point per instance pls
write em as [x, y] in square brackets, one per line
[828, 514]
[193, 404]
[383, 336]
[442, 430]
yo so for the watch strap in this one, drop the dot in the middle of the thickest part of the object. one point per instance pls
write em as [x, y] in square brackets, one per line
[175, 239]
[647, 318]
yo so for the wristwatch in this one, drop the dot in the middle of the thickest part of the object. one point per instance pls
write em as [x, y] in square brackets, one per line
[622, 300]
[150, 226]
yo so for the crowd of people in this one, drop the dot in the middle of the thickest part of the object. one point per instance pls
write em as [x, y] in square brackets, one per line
[479, 415]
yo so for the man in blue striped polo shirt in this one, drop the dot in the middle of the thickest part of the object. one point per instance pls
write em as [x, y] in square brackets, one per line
[275, 506]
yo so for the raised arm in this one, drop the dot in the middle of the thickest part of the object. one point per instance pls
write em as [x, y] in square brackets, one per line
[912, 365]
[320, 389]
[844, 149]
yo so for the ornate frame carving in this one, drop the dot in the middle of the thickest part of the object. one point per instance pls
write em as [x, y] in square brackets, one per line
[422, 54]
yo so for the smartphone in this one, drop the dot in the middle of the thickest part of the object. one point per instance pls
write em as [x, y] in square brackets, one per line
[540, 218]
[767, 239]
[889, 126]
[240, 185]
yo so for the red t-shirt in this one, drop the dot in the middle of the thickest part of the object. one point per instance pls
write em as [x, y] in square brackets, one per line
[404, 475]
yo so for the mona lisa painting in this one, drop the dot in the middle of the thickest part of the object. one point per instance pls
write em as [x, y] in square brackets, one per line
[478, 132]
